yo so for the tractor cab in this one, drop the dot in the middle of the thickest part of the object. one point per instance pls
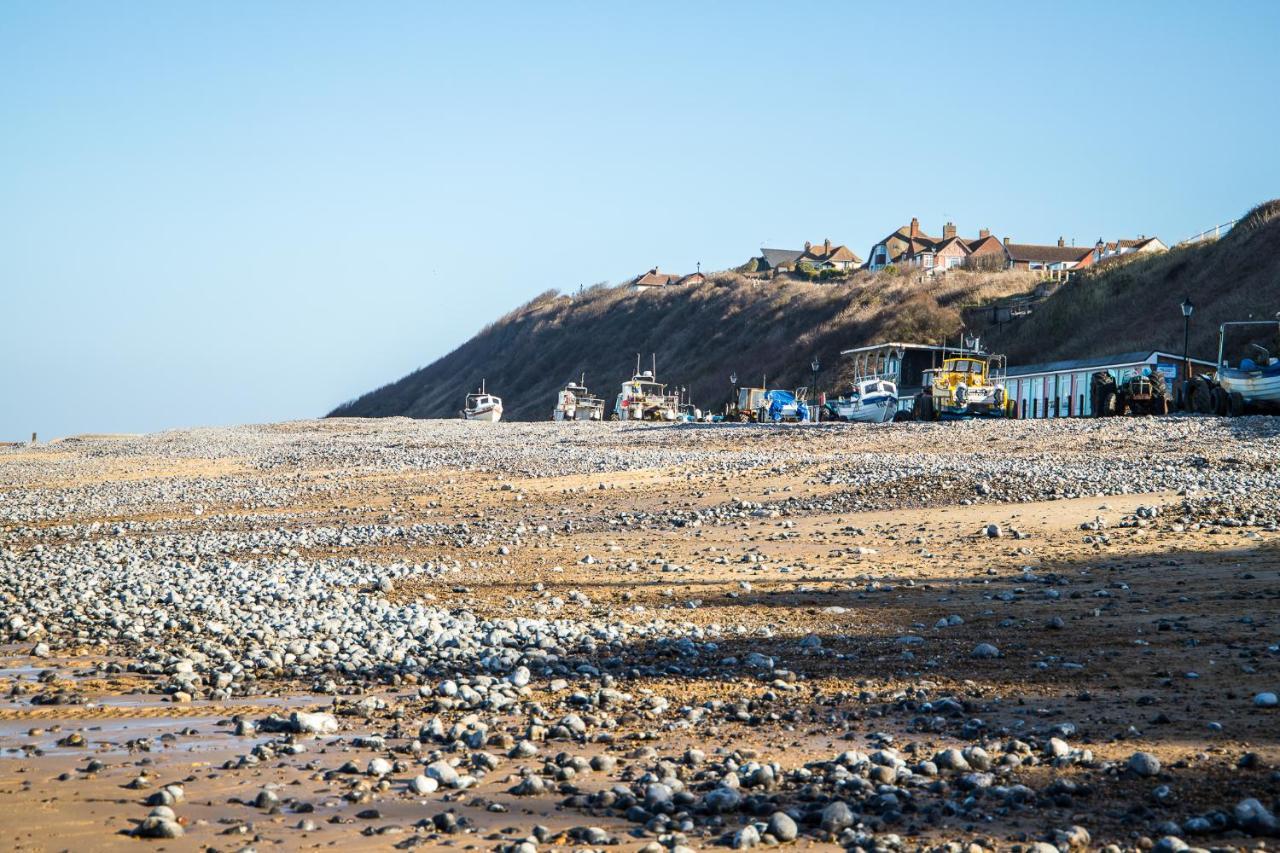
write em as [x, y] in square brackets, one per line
[964, 386]
[967, 370]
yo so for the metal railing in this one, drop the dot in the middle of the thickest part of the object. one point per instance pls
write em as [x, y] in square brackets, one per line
[1213, 233]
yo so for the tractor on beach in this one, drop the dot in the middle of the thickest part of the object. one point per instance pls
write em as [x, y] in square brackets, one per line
[1144, 392]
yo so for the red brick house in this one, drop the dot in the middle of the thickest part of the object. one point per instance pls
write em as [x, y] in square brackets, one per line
[988, 250]
[911, 247]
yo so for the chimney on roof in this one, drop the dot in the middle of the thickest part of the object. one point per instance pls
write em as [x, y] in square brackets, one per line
[948, 231]
[1006, 242]
[1061, 242]
[826, 246]
[915, 227]
[984, 233]
[807, 245]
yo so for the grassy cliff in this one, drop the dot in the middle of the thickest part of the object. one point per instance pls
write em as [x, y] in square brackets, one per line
[701, 334]
[1135, 305]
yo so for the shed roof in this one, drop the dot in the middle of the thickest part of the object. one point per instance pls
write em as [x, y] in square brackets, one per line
[904, 346]
[1123, 359]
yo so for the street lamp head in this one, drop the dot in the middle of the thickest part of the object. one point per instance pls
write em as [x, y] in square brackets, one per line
[733, 378]
[1187, 307]
[815, 365]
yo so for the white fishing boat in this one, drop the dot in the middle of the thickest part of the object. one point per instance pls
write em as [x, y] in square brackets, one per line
[643, 398]
[575, 403]
[871, 400]
[483, 406]
[1253, 383]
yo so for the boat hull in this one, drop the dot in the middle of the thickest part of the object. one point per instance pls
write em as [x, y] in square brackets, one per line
[490, 415]
[1256, 386]
[872, 410]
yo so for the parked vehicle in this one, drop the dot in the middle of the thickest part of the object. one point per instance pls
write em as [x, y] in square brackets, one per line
[1141, 393]
[781, 405]
[1252, 385]
[689, 413]
[964, 387]
[747, 407]
[871, 400]
[483, 406]
[764, 405]
[576, 403]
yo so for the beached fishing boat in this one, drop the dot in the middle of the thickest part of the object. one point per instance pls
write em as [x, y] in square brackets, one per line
[871, 400]
[1251, 385]
[576, 403]
[643, 398]
[483, 406]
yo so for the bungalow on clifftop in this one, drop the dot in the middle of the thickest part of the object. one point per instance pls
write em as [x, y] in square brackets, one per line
[820, 257]
[655, 279]
[1027, 256]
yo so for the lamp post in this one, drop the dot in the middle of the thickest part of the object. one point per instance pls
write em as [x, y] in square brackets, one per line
[815, 366]
[1187, 308]
[733, 380]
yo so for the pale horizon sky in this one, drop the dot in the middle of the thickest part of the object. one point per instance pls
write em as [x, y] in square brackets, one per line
[238, 212]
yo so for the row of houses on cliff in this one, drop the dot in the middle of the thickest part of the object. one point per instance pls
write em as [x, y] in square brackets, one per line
[909, 247]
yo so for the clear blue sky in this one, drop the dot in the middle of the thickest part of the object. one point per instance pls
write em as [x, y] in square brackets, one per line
[237, 212]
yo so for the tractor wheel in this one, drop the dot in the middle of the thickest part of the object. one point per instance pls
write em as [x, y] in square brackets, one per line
[1160, 405]
[1106, 404]
[1202, 397]
[1235, 404]
[924, 408]
[743, 418]
[1220, 400]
